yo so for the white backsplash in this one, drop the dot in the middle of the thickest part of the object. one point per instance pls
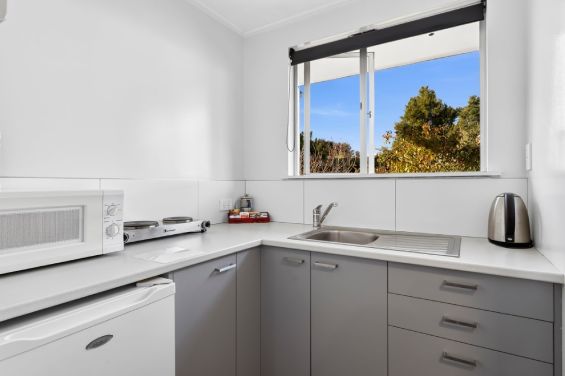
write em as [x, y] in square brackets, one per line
[210, 192]
[156, 199]
[450, 206]
[361, 203]
[457, 206]
[148, 199]
[282, 199]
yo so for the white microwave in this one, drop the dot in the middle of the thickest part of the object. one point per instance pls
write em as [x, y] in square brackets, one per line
[43, 228]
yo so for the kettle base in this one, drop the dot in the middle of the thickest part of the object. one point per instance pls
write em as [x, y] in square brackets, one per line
[512, 245]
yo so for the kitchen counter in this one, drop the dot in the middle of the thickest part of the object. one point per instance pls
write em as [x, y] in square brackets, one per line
[29, 291]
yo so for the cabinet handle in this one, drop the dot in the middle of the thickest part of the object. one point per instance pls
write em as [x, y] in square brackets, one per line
[323, 265]
[466, 324]
[461, 285]
[457, 359]
[294, 260]
[225, 268]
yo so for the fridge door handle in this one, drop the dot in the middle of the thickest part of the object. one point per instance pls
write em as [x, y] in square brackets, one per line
[99, 342]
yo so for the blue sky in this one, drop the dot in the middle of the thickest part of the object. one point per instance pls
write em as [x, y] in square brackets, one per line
[335, 104]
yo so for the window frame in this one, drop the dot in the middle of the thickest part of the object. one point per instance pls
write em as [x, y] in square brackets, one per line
[366, 120]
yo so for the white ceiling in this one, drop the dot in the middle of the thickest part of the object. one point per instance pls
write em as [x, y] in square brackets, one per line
[251, 16]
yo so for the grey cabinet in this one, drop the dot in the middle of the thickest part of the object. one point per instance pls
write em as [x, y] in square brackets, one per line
[285, 312]
[446, 322]
[507, 333]
[500, 294]
[349, 316]
[205, 314]
[413, 353]
[273, 311]
[249, 313]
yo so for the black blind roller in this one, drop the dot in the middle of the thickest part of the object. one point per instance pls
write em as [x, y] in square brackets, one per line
[370, 38]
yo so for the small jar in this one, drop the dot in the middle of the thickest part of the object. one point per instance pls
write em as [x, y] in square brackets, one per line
[246, 203]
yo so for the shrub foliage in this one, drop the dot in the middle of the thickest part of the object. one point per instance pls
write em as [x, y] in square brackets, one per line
[430, 136]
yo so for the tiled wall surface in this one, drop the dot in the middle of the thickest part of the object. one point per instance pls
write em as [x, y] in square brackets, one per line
[282, 199]
[457, 206]
[367, 203]
[149, 199]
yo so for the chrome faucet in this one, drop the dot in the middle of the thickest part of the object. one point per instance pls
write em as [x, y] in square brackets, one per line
[317, 216]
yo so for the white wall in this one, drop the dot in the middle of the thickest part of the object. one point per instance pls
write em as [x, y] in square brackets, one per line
[119, 89]
[266, 64]
[139, 95]
[546, 126]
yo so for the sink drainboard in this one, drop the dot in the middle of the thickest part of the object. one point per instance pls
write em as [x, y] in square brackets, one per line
[442, 245]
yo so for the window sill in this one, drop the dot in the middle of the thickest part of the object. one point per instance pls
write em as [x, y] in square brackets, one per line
[432, 175]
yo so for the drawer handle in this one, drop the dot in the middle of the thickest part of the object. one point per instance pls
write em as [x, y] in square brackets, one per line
[225, 268]
[461, 285]
[294, 260]
[466, 324]
[457, 359]
[323, 265]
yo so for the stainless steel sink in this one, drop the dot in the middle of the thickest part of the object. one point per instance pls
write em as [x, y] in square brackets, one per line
[343, 236]
[442, 245]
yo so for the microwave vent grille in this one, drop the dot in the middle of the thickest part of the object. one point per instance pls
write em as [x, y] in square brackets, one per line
[40, 227]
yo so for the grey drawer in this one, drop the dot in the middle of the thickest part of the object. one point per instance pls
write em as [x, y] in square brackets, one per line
[412, 353]
[512, 334]
[500, 294]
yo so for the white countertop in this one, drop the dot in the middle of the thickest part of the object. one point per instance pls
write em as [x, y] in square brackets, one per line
[29, 291]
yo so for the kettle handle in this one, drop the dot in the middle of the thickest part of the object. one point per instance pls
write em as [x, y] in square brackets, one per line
[509, 217]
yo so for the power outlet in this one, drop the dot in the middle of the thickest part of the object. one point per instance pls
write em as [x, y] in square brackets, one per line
[226, 204]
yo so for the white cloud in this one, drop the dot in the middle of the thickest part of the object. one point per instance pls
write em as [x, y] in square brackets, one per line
[334, 112]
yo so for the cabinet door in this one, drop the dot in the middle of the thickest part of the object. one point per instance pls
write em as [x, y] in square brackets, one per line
[413, 353]
[205, 314]
[249, 313]
[285, 312]
[349, 316]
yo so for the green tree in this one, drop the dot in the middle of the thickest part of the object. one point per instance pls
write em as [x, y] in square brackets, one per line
[469, 129]
[428, 122]
[329, 156]
[432, 136]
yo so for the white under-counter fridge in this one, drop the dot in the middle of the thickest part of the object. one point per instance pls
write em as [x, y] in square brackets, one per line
[128, 331]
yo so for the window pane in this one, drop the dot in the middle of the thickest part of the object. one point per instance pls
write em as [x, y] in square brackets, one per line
[423, 107]
[334, 115]
[427, 112]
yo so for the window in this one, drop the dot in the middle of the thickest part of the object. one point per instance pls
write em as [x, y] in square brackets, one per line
[329, 141]
[409, 105]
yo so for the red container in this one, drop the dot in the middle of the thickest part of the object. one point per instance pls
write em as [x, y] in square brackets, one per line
[266, 219]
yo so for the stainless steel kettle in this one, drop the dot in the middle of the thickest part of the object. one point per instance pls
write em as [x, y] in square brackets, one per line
[509, 223]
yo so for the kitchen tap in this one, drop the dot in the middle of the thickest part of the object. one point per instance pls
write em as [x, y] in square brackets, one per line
[317, 216]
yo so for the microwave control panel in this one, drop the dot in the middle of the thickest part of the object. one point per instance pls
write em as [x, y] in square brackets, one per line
[113, 228]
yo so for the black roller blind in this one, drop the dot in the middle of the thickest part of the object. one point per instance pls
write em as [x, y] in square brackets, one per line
[370, 38]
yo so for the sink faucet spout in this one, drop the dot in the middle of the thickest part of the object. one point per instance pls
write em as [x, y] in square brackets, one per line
[318, 218]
